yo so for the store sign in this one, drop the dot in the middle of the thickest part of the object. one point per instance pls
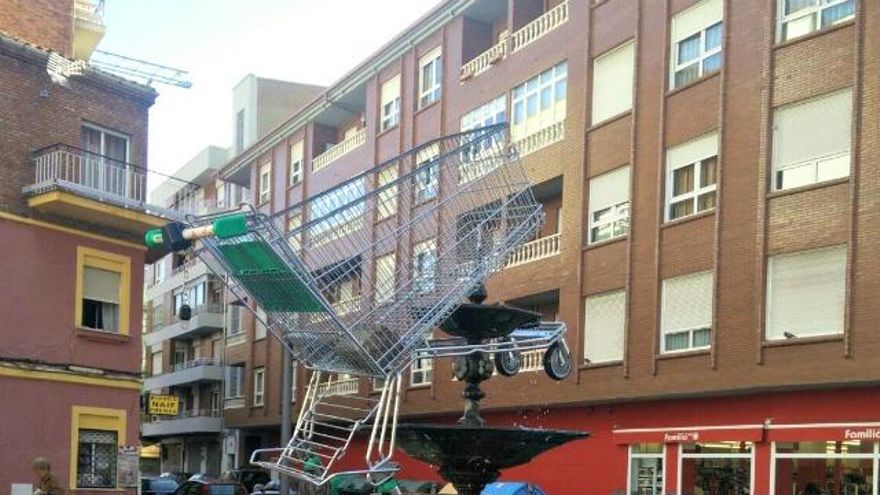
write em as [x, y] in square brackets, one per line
[823, 432]
[733, 433]
[165, 405]
[862, 434]
[681, 437]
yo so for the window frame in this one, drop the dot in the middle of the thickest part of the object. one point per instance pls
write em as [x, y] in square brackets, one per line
[261, 331]
[695, 193]
[690, 331]
[264, 189]
[433, 92]
[425, 372]
[521, 93]
[816, 11]
[702, 55]
[296, 165]
[104, 131]
[239, 381]
[112, 262]
[599, 74]
[620, 211]
[93, 418]
[428, 247]
[259, 386]
[682, 455]
[389, 110]
[638, 455]
[386, 183]
[385, 286]
[426, 179]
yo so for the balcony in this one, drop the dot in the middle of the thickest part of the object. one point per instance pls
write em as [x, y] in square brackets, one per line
[187, 422]
[539, 139]
[88, 27]
[340, 386]
[485, 60]
[206, 319]
[538, 249]
[539, 27]
[190, 372]
[85, 186]
[234, 402]
[339, 150]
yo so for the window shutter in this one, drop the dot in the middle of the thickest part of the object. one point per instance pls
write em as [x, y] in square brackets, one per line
[101, 285]
[696, 18]
[436, 52]
[806, 293]
[296, 152]
[604, 327]
[687, 302]
[613, 82]
[817, 128]
[390, 90]
[692, 151]
[609, 188]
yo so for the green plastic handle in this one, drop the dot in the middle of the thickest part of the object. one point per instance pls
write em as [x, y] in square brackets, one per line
[153, 238]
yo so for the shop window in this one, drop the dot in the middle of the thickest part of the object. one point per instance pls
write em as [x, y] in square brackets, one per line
[825, 468]
[716, 467]
[691, 177]
[102, 290]
[646, 469]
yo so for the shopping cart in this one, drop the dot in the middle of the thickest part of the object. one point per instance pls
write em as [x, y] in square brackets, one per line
[354, 279]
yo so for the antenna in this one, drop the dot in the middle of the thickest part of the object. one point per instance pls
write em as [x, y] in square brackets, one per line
[139, 70]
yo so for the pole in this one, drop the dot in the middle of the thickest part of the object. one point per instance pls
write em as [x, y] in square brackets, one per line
[286, 400]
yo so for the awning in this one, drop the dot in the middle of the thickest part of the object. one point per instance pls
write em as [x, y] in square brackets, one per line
[869, 432]
[720, 433]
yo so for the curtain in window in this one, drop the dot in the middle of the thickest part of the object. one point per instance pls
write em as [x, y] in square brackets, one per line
[833, 15]
[792, 6]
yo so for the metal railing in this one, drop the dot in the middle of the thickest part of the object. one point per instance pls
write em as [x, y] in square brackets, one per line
[89, 10]
[339, 150]
[534, 251]
[233, 402]
[537, 28]
[346, 386]
[485, 60]
[195, 363]
[541, 138]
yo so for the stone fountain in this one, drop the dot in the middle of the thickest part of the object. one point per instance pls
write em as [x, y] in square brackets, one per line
[470, 454]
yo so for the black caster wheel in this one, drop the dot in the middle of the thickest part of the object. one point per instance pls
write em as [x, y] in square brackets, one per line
[185, 312]
[508, 363]
[557, 362]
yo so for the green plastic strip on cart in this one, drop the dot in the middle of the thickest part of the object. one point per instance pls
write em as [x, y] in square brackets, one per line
[268, 278]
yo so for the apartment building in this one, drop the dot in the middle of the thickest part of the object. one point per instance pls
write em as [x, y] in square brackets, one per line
[709, 170]
[73, 180]
[186, 358]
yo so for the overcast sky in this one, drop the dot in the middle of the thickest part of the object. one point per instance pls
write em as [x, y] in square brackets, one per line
[221, 41]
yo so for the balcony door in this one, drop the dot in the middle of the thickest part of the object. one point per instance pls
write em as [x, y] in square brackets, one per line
[105, 167]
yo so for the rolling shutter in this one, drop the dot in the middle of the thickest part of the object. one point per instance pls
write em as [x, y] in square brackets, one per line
[807, 131]
[613, 82]
[604, 327]
[696, 18]
[101, 285]
[687, 302]
[609, 189]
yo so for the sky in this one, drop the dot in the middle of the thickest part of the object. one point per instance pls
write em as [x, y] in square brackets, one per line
[221, 41]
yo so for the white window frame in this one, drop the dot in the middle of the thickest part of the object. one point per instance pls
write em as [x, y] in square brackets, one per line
[775, 456]
[690, 331]
[264, 178]
[675, 66]
[427, 177]
[104, 133]
[260, 386]
[296, 162]
[631, 456]
[421, 371]
[694, 194]
[426, 282]
[430, 88]
[160, 271]
[750, 456]
[390, 108]
[526, 124]
[618, 213]
[238, 383]
[386, 283]
[815, 12]
[387, 198]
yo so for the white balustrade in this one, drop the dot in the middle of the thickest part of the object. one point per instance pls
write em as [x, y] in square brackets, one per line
[485, 60]
[540, 139]
[547, 22]
[339, 150]
[345, 386]
[534, 250]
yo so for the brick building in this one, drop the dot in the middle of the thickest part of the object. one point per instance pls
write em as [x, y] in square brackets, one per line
[72, 213]
[709, 169]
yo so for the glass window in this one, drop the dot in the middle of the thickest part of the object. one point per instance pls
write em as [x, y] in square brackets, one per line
[390, 103]
[100, 299]
[387, 197]
[800, 17]
[692, 174]
[265, 180]
[686, 312]
[259, 386]
[96, 459]
[424, 266]
[296, 163]
[478, 151]
[430, 78]
[421, 371]
[337, 212]
[427, 176]
[613, 75]
[234, 381]
[646, 469]
[697, 40]
[722, 468]
[609, 205]
[386, 268]
[604, 327]
[825, 468]
[539, 102]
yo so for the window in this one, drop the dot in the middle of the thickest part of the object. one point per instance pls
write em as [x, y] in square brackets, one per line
[477, 159]
[800, 17]
[430, 77]
[294, 235]
[845, 467]
[103, 291]
[424, 266]
[387, 206]
[806, 293]
[337, 212]
[160, 271]
[386, 267]
[697, 38]
[156, 363]
[260, 321]
[646, 469]
[233, 317]
[265, 180]
[427, 174]
[691, 176]
[390, 101]
[717, 467]
[296, 163]
[259, 386]
[421, 372]
[604, 327]
[811, 140]
[686, 314]
[107, 143]
[539, 102]
[613, 82]
[234, 381]
[96, 459]
[609, 205]
[239, 131]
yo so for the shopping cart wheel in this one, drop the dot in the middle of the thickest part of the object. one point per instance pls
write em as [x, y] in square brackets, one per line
[557, 362]
[508, 363]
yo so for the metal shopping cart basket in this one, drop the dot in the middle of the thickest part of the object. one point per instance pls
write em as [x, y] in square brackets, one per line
[354, 279]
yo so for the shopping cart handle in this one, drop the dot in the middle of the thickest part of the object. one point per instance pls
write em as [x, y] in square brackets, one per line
[175, 236]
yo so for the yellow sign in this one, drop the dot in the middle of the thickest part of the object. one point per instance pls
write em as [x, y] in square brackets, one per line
[166, 405]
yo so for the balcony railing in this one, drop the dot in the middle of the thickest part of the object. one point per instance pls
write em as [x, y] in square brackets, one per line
[540, 139]
[339, 150]
[534, 251]
[195, 363]
[346, 386]
[233, 402]
[89, 11]
[533, 360]
[549, 21]
[485, 60]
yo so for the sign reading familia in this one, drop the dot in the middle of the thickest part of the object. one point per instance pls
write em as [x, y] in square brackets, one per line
[862, 434]
[681, 436]
[166, 405]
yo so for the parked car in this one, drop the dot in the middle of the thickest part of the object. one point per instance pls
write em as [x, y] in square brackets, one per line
[512, 488]
[248, 477]
[273, 488]
[212, 487]
[179, 477]
[159, 485]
